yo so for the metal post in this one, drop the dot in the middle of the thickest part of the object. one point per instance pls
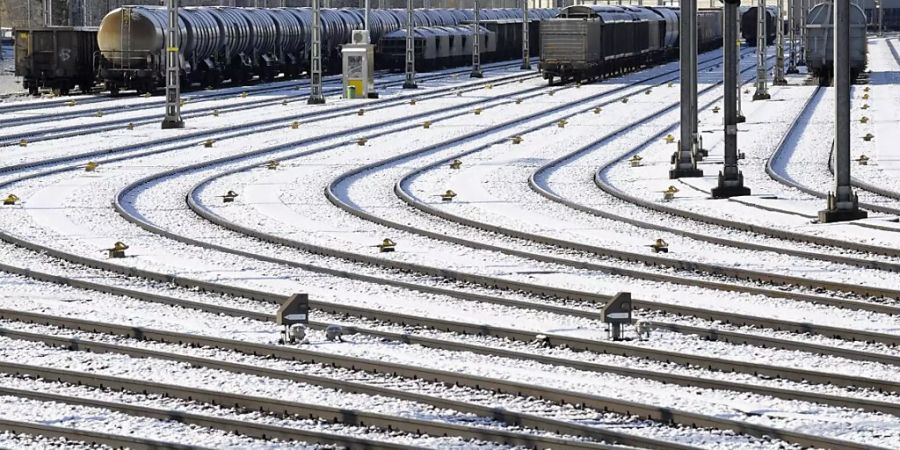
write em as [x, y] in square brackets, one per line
[173, 70]
[737, 67]
[778, 79]
[410, 82]
[880, 18]
[731, 180]
[476, 47]
[792, 57]
[842, 201]
[526, 53]
[762, 84]
[48, 13]
[315, 65]
[802, 54]
[685, 164]
[699, 151]
[366, 18]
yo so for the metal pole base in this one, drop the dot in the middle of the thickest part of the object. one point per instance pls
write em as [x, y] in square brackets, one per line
[172, 124]
[316, 101]
[410, 85]
[841, 211]
[685, 172]
[779, 82]
[761, 96]
[730, 187]
[830, 216]
[477, 74]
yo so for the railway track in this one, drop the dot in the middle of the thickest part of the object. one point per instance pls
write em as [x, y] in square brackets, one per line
[665, 415]
[90, 437]
[60, 132]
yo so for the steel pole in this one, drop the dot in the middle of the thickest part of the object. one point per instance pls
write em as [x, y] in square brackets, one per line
[315, 64]
[699, 151]
[366, 18]
[880, 18]
[685, 164]
[762, 84]
[792, 22]
[410, 82]
[173, 118]
[801, 56]
[476, 45]
[778, 79]
[731, 180]
[737, 67]
[526, 53]
[842, 201]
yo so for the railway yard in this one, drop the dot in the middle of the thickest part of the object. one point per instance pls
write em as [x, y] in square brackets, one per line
[456, 245]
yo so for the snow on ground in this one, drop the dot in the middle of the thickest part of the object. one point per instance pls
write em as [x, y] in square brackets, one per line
[71, 211]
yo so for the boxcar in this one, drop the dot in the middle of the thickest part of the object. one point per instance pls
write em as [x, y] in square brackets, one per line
[56, 58]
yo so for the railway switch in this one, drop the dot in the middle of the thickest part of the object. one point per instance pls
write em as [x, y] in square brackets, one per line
[215, 113]
[489, 86]
[551, 93]
[273, 164]
[616, 313]
[334, 333]
[625, 100]
[669, 193]
[284, 102]
[518, 101]
[386, 245]
[517, 139]
[229, 197]
[671, 84]
[117, 250]
[863, 160]
[426, 124]
[244, 94]
[412, 102]
[659, 246]
[868, 137]
[635, 161]
[91, 166]
[295, 125]
[866, 89]
[863, 119]
[670, 139]
[293, 316]
[456, 164]
[448, 196]
[648, 91]
[10, 199]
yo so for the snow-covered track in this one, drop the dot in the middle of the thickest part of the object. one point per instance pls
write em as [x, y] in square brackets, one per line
[245, 428]
[90, 437]
[599, 347]
[501, 386]
[788, 181]
[65, 131]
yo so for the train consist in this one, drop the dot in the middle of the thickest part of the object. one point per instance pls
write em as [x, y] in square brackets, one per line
[820, 42]
[749, 24]
[237, 44]
[585, 42]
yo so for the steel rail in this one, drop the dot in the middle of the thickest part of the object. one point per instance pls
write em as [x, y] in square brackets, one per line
[284, 408]
[245, 428]
[599, 347]
[512, 418]
[90, 437]
[667, 415]
[80, 130]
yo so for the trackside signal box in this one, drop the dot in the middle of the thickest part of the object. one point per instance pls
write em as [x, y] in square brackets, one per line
[359, 66]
